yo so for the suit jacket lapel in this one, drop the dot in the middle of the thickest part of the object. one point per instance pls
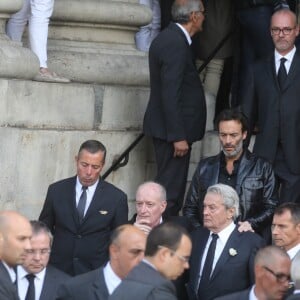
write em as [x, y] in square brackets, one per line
[199, 243]
[70, 196]
[294, 70]
[99, 287]
[232, 242]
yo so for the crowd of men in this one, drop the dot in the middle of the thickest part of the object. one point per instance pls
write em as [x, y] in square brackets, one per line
[239, 236]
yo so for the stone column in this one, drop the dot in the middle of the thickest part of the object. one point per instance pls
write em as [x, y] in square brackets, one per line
[93, 41]
[15, 60]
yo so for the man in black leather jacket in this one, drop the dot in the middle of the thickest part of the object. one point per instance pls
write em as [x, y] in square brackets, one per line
[251, 176]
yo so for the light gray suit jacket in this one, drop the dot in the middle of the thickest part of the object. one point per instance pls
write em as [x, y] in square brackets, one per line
[144, 283]
[88, 286]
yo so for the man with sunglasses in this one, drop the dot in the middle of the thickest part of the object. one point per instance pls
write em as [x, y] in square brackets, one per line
[272, 276]
[271, 102]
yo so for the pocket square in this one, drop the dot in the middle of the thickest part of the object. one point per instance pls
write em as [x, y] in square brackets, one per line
[103, 212]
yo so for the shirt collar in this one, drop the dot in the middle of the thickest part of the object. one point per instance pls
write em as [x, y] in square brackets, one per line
[22, 273]
[293, 251]
[252, 295]
[226, 232]
[185, 33]
[112, 280]
[288, 56]
[91, 188]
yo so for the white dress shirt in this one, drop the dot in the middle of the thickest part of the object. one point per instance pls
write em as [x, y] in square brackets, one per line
[23, 283]
[112, 280]
[252, 295]
[90, 191]
[221, 242]
[188, 37]
[289, 58]
[293, 251]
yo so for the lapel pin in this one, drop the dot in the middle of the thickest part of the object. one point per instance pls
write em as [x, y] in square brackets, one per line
[232, 252]
[103, 212]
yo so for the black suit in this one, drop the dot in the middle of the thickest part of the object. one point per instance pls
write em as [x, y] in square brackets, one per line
[176, 110]
[8, 290]
[144, 283]
[88, 286]
[53, 279]
[231, 273]
[243, 295]
[82, 247]
[277, 115]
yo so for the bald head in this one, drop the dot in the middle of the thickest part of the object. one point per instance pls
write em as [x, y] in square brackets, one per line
[15, 234]
[272, 273]
[284, 30]
[126, 249]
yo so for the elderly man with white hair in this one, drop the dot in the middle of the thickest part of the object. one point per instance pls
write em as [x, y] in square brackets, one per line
[222, 259]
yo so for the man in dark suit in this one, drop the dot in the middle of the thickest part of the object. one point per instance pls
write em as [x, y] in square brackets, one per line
[251, 176]
[167, 253]
[272, 276]
[82, 211]
[176, 113]
[222, 258]
[15, 234]
[126, 250]
[271, 102]
[35, 276]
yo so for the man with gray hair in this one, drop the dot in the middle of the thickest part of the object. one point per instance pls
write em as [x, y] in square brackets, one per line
[176, 113]
[222, 258]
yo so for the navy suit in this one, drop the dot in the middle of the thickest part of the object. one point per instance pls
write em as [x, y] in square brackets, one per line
[231, 273]
[81, 247]
[176, 110]
[88, 286]
[8, 290]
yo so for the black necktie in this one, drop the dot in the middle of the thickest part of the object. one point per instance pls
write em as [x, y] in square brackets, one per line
[282, 74]
[207, 268]
[82, 203]
[31, 290]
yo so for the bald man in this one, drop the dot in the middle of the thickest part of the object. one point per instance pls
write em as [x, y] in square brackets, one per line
[15, 234]
[126, 250]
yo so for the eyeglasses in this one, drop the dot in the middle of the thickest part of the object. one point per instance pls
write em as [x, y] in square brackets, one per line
[284, 30]
[184, 259]
[38, 251]
[280, 277]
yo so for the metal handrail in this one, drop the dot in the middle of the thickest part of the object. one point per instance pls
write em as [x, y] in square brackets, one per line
[123, 159]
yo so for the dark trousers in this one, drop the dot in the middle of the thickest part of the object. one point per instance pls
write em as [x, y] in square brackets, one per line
[256, 43]
[289, 190]
[172, 174]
